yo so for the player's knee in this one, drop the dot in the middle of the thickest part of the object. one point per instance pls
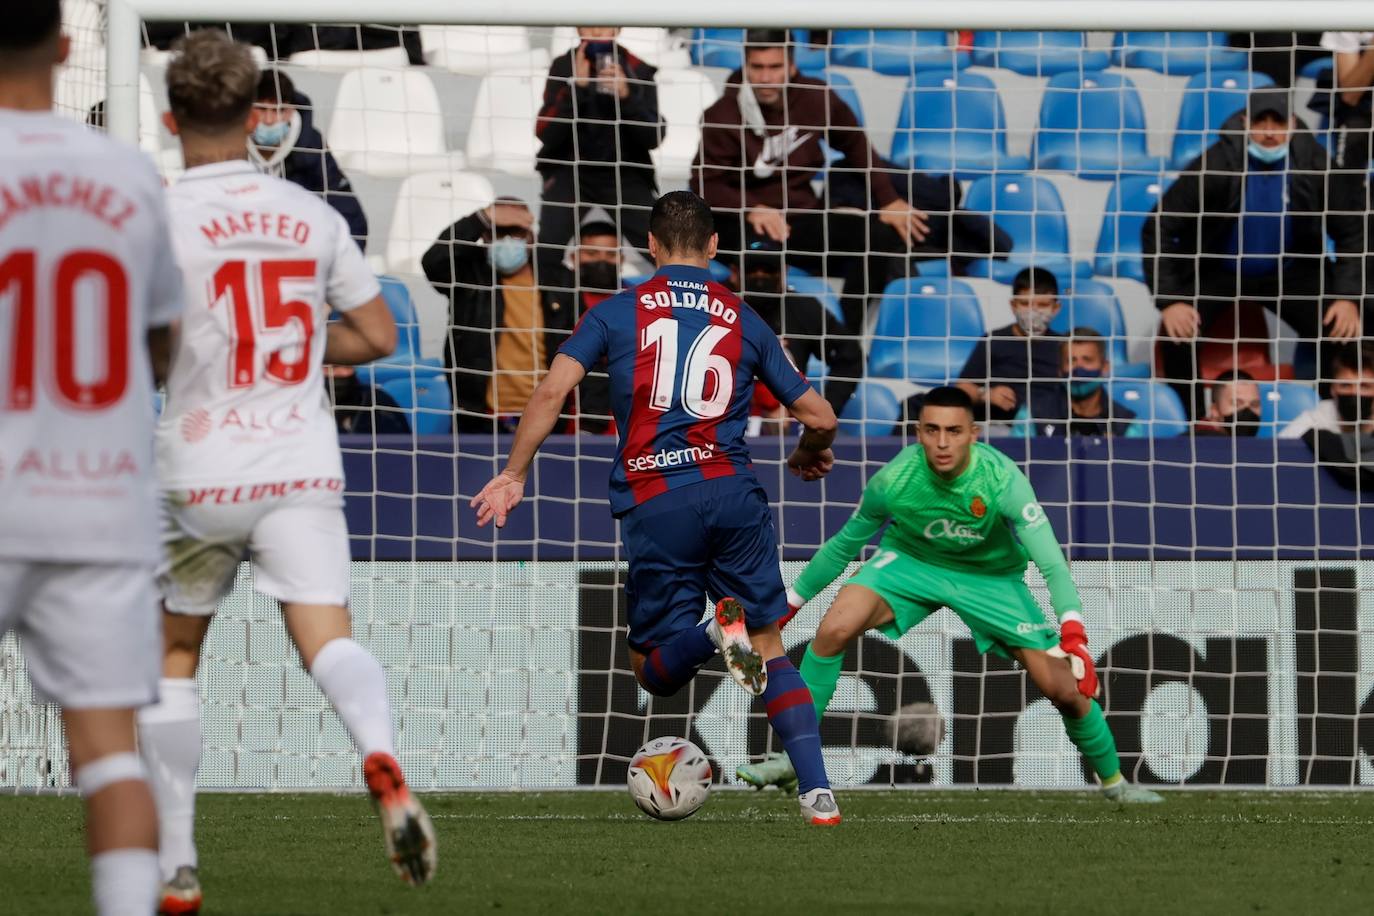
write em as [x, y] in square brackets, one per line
[658, 690]
[833, 635]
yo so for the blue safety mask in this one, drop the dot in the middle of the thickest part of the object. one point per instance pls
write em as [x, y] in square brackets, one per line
[1268, 154]
[1084, 382]
[508, 254]
[271, 134]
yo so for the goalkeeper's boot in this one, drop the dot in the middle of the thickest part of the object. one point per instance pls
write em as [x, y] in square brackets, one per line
[1123, 793]
[775, 770]
[409, 836]
[742, 660]
[819, 808]
[181, 895]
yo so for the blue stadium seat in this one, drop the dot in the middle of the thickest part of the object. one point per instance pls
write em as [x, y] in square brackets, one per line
[1036, 53]
[899, 53]
[817, 288]
[1093, 304]
[925, 331]
[1280, 404]
[873, 411]
[1208, 100]
[953, 123]
[1030, 210]
[1177, 53]
[725, 48]
[427, 403]
[1155, 405]
[1093, 124]
[1129, 202]
[406, 361]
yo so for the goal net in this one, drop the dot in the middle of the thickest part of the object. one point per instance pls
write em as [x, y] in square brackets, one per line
[1225, 583]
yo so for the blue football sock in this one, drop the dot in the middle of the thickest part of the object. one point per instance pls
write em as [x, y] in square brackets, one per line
[676, 661]
[793, 717]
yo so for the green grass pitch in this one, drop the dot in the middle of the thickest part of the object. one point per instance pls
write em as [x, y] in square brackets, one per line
[593, 852]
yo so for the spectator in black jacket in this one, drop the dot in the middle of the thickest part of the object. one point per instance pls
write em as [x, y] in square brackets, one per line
[1009, 361]
[504, 326]
[804, 326]
[360, 408]
[599, 121]
[286, 144]
[1249, 219]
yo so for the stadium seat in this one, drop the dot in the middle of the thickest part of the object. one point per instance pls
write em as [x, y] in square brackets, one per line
[873, 411]
[405, 361]
[426, 205]
[682, 96]
[1093, 304]
[388, 123]
[394, 58]
[818, 288]
[725, 48]
[81, 86]
[1129, 202]
[427, 403]
[1280, 404]
[1036, 53]
[1208, 100]
[1093, 124]
[501, 136]
[1177, 53]
[925, 331]
[1155, 405]
[480, 49]
[897, 53]
[657, 47]
[1239, 337]
[1030, 210]
[953, 122]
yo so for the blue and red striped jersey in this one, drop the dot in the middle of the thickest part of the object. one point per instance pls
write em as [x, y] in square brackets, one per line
[682, 353]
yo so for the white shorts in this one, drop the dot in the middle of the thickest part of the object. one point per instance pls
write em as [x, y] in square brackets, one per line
[298, 543]
[90, 633]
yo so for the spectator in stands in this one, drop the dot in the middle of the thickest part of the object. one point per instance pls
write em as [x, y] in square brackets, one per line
[598, 124]
[1353, 62]
[805, 327]
[504, 327]
[1234, 408]
[1352, 395]
[360, 408]
[1081, 405]
[760, 151]
[286, 144]
[596, 261]
[1248, 219]
[1009, 361]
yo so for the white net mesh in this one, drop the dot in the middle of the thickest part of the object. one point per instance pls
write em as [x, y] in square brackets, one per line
[1223, 583]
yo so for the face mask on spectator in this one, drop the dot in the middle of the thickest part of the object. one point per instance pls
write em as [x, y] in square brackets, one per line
[1033, 321]
[1084, 382]
[272, 134]
[1353, 408]
[1243, 422]
[1268, 154]
[598, 275]
[508, 254]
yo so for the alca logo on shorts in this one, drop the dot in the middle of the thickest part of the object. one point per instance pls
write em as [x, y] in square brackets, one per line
[978, 507]
[943, 528]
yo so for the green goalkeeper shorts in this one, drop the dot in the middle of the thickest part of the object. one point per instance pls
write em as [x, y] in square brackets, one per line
[999, 609]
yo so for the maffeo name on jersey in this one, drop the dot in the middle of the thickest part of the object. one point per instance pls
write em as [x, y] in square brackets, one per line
[688, 295]
[256, 225]
[65, 191]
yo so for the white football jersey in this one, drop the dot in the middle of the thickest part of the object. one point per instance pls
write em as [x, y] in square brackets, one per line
[264, 261]
[85, 270]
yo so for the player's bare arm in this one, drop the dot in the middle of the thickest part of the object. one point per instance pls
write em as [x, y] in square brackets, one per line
[504, 491]
[361, 335]
[812, 459]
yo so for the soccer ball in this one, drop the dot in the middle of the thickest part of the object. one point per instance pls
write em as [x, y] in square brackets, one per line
[669, 778]
[917, 729]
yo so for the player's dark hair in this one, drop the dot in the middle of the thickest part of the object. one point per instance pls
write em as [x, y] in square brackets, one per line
[212, 82]
[29, 26]
[276, 87]
[1088, 336]
[763, 39]
[948, 396]
[1358, 358]
[682, 223]
[1036, 280]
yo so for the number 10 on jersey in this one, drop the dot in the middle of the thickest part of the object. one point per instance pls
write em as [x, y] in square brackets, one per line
[709, 380]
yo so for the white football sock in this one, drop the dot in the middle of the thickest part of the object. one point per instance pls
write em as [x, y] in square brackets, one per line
[169, 739]
[124, 882]
[356, 684]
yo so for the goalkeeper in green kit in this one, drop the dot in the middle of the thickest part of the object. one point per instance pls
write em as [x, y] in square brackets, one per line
[964, 521]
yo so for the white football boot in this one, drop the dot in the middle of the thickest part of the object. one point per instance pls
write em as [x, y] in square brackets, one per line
[819, 808]
[731, 637]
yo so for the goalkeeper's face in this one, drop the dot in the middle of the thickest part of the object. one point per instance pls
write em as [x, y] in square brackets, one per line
[946, 435]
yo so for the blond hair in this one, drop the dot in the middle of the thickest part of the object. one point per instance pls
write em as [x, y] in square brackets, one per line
[212, 82]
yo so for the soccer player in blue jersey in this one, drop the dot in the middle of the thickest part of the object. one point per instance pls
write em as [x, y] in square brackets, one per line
[682, 353]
